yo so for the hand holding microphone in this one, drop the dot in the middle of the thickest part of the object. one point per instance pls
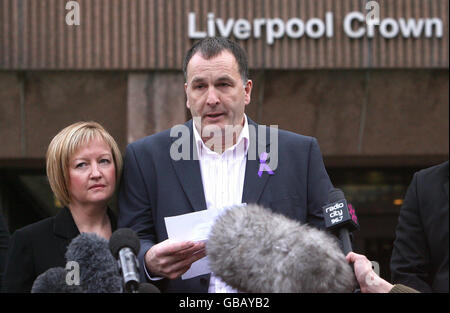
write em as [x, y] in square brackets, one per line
[368, 280]
[254, 249]
[342, 220]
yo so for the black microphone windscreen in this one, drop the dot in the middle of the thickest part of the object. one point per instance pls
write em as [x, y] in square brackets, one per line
[99, 271]
[253, 249]
[148, 288]
[121, 238]
[54, 281]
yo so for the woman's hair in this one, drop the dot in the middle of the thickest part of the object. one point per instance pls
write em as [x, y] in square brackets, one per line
[63, 146]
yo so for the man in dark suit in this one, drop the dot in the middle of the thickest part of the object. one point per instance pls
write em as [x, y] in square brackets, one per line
[225, 159]
[420, 255]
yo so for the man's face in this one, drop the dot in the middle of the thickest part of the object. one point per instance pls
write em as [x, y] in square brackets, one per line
[216, 94]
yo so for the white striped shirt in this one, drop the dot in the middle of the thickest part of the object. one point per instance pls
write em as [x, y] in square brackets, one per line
[223, 181]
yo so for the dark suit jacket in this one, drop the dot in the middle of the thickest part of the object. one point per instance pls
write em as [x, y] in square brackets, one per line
[38, 247]
[4, 241]
[154, 186]
[420, 255]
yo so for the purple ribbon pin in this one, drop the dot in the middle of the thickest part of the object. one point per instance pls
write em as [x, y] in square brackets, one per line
[263, 166]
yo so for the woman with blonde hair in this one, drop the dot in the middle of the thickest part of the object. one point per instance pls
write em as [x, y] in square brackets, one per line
[84, 164]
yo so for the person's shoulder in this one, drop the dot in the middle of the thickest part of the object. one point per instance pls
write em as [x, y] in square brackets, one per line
[434, 172]
[294, 141]
[33, 230]
[283, 135]
[287, 141]
[291, 136]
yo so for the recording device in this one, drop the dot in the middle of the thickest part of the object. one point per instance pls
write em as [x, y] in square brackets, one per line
[124, 245]
[54, 281]
[94, 269]
[148, 288]
[98, 269]
[254, 249]
[339, 219]
[91, 268]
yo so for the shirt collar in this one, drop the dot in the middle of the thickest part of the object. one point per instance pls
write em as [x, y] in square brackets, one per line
[243, 140]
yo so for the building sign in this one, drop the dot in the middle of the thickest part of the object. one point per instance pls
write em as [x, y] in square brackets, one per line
[277, 34]
[354, 25]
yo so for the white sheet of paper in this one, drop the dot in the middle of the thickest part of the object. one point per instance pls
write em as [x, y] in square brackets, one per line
[193, 227]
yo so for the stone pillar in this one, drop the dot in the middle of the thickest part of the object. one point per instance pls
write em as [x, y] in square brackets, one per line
[11, 115]
[156, 101]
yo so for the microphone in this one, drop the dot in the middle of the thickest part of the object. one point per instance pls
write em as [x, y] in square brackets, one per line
[54, 281]
[94, 269]
[98, 268]
[338, 218]
[256, 250]
[148, 288]
[124, 245]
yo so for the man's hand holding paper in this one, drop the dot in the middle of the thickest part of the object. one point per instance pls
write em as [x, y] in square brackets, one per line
[194, 228]
[171, 258]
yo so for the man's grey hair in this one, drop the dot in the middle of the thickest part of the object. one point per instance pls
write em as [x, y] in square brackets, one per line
[210, 47]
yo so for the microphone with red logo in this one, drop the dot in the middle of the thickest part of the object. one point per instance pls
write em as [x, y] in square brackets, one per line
[340, 218]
